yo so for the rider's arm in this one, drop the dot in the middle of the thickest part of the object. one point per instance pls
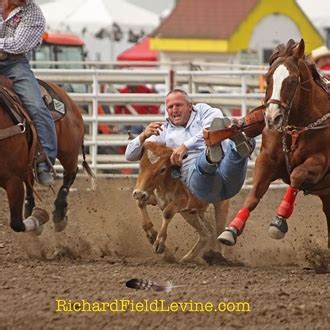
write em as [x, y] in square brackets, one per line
[29, 26]
[205, 115]
[134, 148]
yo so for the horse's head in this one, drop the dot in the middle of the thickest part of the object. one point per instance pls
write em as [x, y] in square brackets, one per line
[286, 74]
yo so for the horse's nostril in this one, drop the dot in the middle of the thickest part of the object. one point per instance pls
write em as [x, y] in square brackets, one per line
[277, 120]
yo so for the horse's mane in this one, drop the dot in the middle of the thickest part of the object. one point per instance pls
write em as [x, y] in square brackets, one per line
[283, 50]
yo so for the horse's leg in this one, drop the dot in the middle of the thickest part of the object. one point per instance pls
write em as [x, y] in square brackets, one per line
[61, 204]
[262, 177]
[309, 173]
[326, 209]
[279, 227]
[147, 225]
[15, 193]
[29, 203]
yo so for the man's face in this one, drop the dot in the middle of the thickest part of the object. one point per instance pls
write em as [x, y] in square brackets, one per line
[178, 108]
[324, 60]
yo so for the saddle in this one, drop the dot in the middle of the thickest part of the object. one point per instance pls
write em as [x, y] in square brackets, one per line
[13, 105]
[22, 121]
[252, 125]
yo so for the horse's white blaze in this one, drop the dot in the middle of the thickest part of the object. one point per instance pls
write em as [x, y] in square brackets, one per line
[279, 75]
[152, 157]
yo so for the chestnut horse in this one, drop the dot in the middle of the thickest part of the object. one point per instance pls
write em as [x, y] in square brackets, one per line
[295, 142]
[16, 166]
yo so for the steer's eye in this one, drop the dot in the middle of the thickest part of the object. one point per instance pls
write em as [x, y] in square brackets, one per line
[162, 171]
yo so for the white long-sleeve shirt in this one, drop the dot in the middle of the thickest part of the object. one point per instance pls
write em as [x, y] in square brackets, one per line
[173, 136]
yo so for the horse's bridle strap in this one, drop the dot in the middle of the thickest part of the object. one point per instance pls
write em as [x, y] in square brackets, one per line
[278, 102]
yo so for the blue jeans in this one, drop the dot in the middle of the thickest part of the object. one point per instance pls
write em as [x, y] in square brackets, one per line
[212, 183]
[27, 88]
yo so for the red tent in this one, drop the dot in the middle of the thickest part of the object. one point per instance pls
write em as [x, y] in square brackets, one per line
[139, 52]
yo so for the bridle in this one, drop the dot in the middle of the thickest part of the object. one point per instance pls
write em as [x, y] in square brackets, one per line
[292, 130]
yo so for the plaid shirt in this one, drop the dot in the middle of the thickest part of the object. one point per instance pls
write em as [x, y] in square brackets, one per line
[22, 30]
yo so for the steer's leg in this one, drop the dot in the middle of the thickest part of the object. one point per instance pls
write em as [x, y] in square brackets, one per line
[168, 213]
[220, 214]
[205, 234]
[147, 225]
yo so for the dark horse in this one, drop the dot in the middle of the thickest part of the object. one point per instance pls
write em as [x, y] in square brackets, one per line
[295, 142]
[16, 164]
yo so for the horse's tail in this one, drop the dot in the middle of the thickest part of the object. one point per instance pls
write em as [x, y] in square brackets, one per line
[85, 165]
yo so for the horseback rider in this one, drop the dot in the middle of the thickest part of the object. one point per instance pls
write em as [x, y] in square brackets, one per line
[22, 25]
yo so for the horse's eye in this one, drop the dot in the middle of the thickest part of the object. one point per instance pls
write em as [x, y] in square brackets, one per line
[292, 81]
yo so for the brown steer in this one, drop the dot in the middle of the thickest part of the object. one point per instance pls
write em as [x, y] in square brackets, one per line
[156, 186]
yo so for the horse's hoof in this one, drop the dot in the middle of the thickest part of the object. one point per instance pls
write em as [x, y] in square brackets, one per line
[278, 228]
[41, 215]
[59, 214]
[159, 247]
[37, 231]
[34, 223]
[228, 236]
[59, 226]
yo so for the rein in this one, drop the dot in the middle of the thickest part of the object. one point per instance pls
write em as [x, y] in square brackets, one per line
[294, 132]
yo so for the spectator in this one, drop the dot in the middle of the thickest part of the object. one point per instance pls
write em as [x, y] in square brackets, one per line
[321, 56]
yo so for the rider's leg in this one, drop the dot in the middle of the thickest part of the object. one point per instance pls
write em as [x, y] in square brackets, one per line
[27, 88]
[215, 182]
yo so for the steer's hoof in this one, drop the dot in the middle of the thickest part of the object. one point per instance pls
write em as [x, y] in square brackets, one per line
[151, 235]
[159, 247]
[228, 236]
[278, 228]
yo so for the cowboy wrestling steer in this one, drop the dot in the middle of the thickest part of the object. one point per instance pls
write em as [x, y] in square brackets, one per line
[156, 186]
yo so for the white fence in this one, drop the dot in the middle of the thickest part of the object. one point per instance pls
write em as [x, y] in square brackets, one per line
[228, 89]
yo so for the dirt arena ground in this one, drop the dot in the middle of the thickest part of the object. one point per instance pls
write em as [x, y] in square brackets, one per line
[103, 246]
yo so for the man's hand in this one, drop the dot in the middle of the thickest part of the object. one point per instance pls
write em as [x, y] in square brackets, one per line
[152, 129]
[178, 154]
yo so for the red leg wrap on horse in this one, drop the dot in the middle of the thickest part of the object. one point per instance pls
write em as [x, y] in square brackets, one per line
[240, 219]
[286, 207]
